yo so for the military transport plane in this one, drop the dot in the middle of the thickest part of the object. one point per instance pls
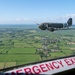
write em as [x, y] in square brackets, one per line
[55, 26]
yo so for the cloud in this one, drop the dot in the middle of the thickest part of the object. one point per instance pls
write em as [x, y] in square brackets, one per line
[63, 18]
[67, 16]
[23, 19]
[60, 19]
[16, 21]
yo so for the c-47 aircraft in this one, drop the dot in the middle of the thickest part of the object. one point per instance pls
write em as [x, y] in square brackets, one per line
[55, 26]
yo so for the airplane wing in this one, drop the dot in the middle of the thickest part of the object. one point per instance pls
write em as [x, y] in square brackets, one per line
[56, 29]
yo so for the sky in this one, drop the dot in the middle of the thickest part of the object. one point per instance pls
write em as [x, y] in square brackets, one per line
[36, 11]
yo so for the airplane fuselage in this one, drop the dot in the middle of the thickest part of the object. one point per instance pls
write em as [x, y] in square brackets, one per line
[55, 25]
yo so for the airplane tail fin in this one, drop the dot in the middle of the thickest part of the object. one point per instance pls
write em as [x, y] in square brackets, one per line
[69, 22]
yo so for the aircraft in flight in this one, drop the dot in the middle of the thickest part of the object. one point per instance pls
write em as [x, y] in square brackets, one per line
[55, 26]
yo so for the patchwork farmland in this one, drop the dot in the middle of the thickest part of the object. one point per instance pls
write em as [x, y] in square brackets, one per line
[20, 45]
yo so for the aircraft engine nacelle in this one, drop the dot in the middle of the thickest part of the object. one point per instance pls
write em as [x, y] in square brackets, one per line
[51, 29]
[43, 26]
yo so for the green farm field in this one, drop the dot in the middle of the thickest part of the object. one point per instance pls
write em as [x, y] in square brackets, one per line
[21, 46]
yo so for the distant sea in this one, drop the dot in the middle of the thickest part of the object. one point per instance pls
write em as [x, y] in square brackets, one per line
[25, 26]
